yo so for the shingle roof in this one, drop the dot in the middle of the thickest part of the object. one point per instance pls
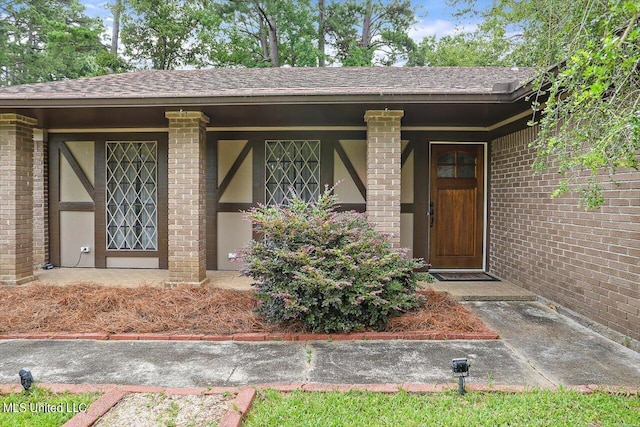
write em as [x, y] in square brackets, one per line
[274, 82]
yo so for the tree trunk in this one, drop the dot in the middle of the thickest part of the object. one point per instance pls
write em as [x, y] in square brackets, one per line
[321, 32]
[273, 42]
[262, 36]
[115, 33]
[366, 25]
[272, 33]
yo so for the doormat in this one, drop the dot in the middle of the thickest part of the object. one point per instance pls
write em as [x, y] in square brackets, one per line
[465, 277]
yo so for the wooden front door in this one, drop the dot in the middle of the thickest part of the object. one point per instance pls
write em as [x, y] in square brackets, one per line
[456, 219]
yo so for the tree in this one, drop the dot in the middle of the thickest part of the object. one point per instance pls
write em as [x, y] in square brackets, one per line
[44, 40]
[587, 98]
[591, 119]
[110, 59]
[165, 34]
[537, 31]
[267, 33]
[370, 32]
[288, 32]
[463, 49]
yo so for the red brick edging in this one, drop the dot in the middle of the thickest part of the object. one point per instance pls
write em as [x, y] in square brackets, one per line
[245, 396]
[357, 336]
[97, 409]
[239, 408]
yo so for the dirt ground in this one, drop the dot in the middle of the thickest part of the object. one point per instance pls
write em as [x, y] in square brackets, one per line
[159, 409]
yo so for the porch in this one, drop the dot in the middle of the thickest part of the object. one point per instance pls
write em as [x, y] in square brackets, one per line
[462, 291]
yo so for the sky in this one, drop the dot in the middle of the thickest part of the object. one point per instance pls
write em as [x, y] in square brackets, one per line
[435, 17]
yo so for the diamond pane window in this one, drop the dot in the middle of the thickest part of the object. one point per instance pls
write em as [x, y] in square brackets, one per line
[131, 196]
[292, 166]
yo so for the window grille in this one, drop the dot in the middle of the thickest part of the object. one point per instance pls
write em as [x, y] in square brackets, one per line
[456, 164]
[131, 196]
[292, 166]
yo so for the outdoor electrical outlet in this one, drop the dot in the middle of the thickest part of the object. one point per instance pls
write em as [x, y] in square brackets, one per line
[85, 249]
[233, 255]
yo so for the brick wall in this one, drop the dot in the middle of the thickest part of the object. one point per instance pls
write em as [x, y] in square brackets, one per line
[187, 197]
[16, 188]
[384, 152]
[40, 200]
[586, 261]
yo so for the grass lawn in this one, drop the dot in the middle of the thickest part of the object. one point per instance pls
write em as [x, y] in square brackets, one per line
[41, 407]
[535, 408]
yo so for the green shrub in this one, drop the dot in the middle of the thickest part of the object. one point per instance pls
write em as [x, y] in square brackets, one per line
[331, 270]
[425, 277]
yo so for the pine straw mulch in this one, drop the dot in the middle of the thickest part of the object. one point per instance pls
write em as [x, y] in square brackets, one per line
[85, 308]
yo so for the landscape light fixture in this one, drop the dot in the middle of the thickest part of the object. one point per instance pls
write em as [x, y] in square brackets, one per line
[26, 379]
[460, 368]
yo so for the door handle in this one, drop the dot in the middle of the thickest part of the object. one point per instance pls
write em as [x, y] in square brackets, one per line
[432, 213]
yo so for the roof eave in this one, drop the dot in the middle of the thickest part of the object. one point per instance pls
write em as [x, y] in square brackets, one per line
[443, 98]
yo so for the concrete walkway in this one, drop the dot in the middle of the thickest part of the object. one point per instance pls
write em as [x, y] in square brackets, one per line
[539, 348]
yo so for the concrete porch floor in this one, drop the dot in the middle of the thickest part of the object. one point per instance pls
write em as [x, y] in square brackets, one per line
[484, 291]
[126, 277]
[462, 291]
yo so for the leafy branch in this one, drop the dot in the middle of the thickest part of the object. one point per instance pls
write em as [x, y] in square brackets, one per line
[589, 126]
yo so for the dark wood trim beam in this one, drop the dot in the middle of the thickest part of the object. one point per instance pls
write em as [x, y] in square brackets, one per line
[100, 232]
[54, 201]
[326, 162]
[234, 168]
[259, 174]
[290, 135]
[358, 207]
[421, 199]
[212, 201]
[133, 254]
[418, 137]
[406, 152]
[234, 207]
[76, 206]
[406, 208]
[163, 195]
[64, 149]
[352, 171]
[258, 170]
[487, 213]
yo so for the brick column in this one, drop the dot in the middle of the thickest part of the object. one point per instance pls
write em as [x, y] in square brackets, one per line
[40, 199]
[384, 152]
[187, 197]
[16, 190]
